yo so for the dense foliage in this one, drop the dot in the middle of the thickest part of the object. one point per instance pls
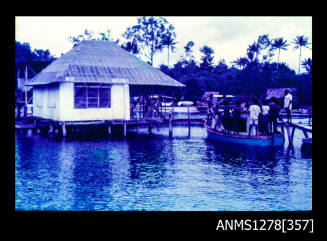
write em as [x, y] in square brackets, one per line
[34, 60]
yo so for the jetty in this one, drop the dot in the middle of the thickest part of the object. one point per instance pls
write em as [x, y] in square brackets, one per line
[290, 130]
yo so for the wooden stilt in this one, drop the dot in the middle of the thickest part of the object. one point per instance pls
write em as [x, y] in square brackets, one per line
[189, 121]
[150, 128]
[290, 141]
[51, 128]
[170, 125]
[282, 129]
[305, 134]
[109, 128]
[125, 128]
[292, 135]
[63, 128]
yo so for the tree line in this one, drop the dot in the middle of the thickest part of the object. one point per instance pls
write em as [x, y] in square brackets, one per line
[250, 74]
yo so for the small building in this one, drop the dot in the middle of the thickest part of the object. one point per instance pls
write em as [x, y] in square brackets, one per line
[278, 92]
[93, 81]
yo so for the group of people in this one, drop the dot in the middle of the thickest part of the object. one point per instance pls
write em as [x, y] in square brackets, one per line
[263, 114]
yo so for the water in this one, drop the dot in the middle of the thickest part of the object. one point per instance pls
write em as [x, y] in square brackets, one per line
[155, 173]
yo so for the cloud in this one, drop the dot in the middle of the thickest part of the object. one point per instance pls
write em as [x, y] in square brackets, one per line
[228, 36]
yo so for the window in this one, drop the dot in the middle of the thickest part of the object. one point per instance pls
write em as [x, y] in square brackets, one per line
[92, 96]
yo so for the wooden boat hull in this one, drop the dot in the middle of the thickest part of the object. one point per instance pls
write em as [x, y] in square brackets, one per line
[275, 140]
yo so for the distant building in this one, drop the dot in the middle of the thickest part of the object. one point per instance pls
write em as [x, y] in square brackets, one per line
[92, 82]
[278, 92]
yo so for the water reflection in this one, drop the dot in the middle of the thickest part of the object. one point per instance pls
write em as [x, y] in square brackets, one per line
[143, 172]
[147, 161]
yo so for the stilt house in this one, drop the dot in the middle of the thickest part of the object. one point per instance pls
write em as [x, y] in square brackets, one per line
[93, 81]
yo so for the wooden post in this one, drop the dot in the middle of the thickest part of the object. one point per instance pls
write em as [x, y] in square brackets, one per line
[173, 100]
[290, 141]
[51, 128]
[165, 108]
[125, 128]
[18, 112]
[63, 127]
[170, 125]
[150, 128]
[109, 128]
[189, 121]
[292, 135]
[25, 111]
[282, 128]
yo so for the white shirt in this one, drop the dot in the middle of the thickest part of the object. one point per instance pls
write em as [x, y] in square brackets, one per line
[254, 112]
[265, 109]
[287, 100]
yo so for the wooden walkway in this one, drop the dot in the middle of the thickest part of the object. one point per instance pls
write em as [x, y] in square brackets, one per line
[290, 133]
[50, 125]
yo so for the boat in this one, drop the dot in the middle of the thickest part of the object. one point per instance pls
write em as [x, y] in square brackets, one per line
[266, 140]
[185, 103]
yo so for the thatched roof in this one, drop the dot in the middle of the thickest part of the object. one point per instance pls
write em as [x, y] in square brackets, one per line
[278, 92]
[95, 61]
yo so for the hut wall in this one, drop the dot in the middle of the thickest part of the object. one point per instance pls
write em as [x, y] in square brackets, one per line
[46, 102]
[119, 105]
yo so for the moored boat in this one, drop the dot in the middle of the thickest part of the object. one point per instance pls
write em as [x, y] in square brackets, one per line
[267, 140]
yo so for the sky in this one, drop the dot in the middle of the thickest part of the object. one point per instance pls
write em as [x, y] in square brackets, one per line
[229, 37]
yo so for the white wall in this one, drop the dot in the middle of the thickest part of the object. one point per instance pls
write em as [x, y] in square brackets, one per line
[120, 106]
[46, 102]
[57, 103]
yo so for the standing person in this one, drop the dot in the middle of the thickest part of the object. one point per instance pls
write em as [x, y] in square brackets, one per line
[273, 115]
[210, 107]
[288, 105]
[217, 118]
[254, 116]
[226, 120]
[244, 102]
[236, 117]
[265, 117]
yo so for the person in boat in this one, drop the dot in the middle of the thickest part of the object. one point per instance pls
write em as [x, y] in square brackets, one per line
[210, 108]
[265, 117]
[244, 102]
[237, 117]
[288, 105]
[226, 119]
[273, 115]
[254, 115]
[217, 118]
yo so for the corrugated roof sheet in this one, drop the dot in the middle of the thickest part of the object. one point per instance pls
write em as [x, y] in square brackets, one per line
[102, 62]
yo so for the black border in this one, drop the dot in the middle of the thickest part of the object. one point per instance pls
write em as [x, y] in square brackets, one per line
[161, 222]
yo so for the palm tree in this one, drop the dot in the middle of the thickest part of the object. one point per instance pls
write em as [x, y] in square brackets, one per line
[307, 64]
[255, 49]
[301, 41]
[168, 40]
[279, 43]
[188, 50]
[241, 62]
